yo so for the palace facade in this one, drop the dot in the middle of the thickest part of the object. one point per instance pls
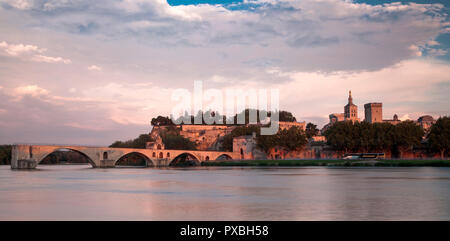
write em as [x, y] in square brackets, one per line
[373, 113]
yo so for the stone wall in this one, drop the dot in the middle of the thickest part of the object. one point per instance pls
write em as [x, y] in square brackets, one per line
[205, 136]
[287, 125]
[244, 145]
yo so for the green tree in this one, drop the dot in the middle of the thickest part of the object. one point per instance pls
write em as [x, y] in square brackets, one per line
[407, 135]
[5, 154]
[161, 121]
[247, 113]
[267, 142]
[439, 136]
[342, 136]
[286, 116]
[292, 139]
[383, 137]
[311, 130]
[364, 132]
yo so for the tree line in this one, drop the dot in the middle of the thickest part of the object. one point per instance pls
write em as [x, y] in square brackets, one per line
[5, 154]
[348, 136]
[222, 119]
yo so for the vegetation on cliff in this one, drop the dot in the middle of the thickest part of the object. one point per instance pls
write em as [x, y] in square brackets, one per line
[285, 116]
[135, 143]
[173, 140]
[161, 121]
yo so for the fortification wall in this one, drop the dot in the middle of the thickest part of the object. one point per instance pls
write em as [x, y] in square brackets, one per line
[206, 136]
[287, 125]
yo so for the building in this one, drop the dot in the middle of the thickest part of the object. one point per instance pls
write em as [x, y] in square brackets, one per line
[248, 148]
[373, 112]
[245, 146]
[351, 110]
[394, 120]
[336, 117]
[316, 139]
[350, 114]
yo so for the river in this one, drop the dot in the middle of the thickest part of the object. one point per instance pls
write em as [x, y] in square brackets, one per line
[79, 192]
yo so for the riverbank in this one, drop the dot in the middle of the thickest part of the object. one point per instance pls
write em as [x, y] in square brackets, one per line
[335, 162]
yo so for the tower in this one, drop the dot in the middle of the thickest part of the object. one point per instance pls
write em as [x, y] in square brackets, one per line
[351, 110]
[373, 112]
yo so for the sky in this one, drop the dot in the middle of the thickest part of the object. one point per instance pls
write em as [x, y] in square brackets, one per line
[92, 72]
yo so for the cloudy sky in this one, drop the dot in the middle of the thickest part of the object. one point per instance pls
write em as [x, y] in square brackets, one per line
[91, 72]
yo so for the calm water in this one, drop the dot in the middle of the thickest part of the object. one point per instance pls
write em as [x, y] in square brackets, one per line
[79, 192]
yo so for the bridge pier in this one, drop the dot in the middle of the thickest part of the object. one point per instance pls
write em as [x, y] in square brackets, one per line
[107, 164]
[22, 158]
[162, 162]
[24, 164]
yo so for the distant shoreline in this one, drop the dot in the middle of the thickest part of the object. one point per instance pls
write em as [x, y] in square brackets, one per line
[335, 163]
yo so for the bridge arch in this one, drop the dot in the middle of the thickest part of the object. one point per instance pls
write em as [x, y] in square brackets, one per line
[57, 149]
[185, 159]
[148, 161]
[224, 157]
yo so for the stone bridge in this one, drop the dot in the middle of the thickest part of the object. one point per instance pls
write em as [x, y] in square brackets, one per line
[29, 156]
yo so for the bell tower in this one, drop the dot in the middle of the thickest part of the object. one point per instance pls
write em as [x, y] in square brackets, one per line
[351, 110]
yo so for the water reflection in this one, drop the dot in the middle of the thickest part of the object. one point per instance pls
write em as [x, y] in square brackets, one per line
[75, 192]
